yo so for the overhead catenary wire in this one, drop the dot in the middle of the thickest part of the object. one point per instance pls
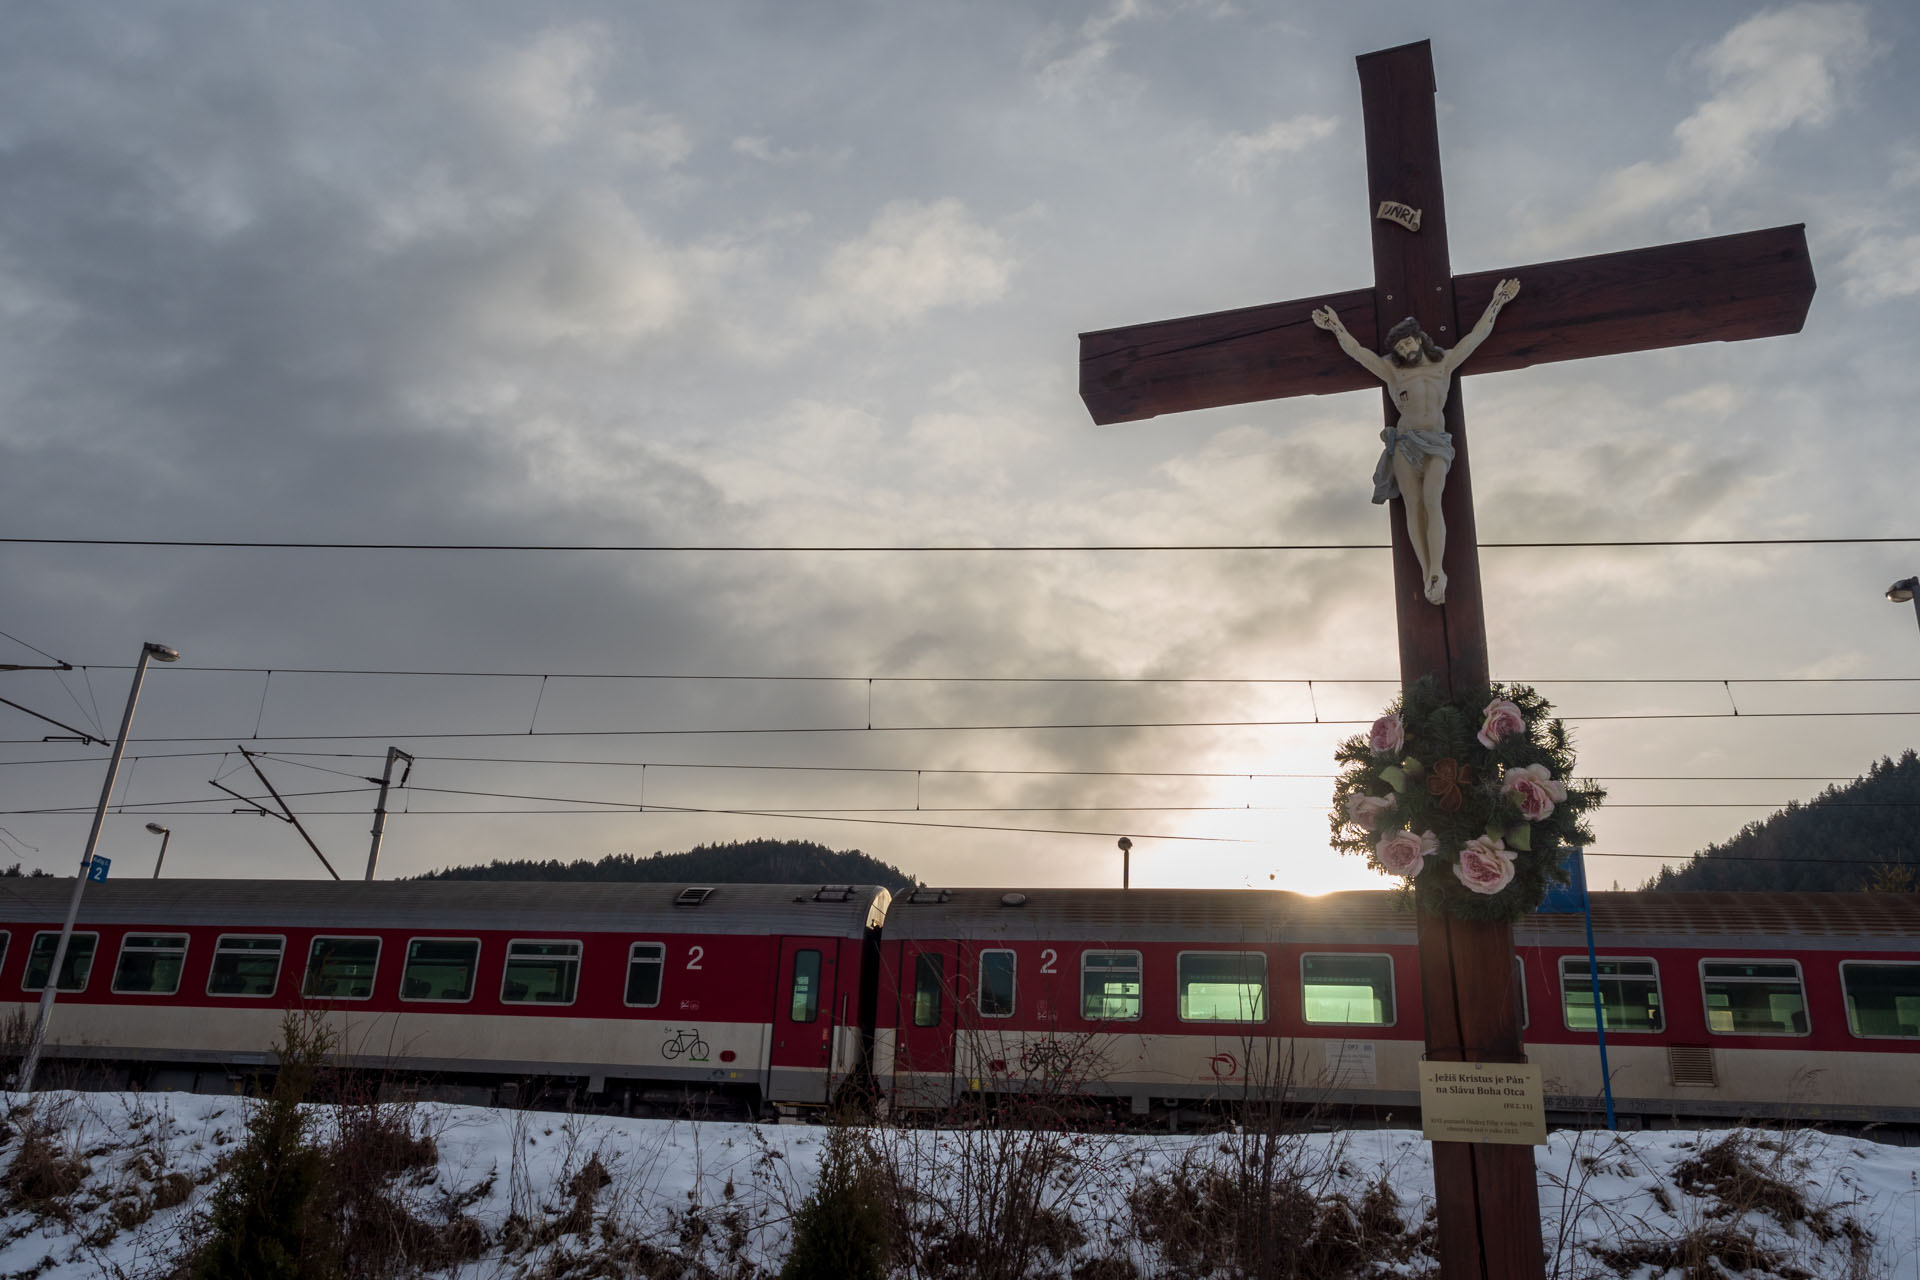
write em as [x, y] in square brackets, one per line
[805, 816]
[295, 758]
[1012, 727]
[289, 544]
[829, 678]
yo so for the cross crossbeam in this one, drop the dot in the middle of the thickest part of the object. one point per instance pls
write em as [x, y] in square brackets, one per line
[1758, 284]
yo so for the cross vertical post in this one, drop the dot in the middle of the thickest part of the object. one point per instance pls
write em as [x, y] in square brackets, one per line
[1487, 1197]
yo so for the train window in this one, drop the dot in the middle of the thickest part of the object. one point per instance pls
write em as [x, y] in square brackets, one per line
[805, 1004]
[1342, 988]
[1110, 985]
[929, 980]
[1882, 999]
[150, 964]
[645, 964]
[1629, 994]
[75, 967]
[244, 966]
[1754, 997]
[996, 984]
[541, 973]
[440, 969]
[1223, 986]
[342, 968]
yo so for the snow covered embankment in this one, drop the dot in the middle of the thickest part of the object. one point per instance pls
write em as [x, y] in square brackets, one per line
[120, 1185]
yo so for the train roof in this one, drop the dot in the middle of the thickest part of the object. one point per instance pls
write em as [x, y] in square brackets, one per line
[542, 906]
[1820, 920]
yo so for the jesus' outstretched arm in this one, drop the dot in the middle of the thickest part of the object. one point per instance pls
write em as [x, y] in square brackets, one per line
[1504, 293]
[1327, 318]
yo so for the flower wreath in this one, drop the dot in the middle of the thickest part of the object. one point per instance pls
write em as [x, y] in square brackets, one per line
[1470, 799]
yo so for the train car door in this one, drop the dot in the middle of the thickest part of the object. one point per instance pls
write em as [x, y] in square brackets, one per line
[803, 1020]
[929, 988]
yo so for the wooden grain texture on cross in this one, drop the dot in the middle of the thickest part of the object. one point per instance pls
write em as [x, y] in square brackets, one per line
[1757, 284]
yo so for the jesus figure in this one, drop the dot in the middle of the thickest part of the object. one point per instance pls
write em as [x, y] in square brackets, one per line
[1418, 449]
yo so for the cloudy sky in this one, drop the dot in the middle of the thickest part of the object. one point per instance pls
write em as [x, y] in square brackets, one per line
[764, 275]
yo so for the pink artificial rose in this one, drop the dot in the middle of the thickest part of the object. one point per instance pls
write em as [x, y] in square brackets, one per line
[1388, 736]
[1534, 790]
[1404, 853]
[1485, 866]
[1503, 718]
[1364, 811]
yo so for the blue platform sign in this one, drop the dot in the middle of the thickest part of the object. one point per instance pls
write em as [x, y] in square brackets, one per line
[1569, 899]
[97, 869]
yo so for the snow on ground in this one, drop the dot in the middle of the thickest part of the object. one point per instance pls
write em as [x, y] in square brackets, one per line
[1612, 1204]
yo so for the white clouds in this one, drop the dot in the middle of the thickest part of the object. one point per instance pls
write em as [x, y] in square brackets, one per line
[1070, 69]
[549, 92]
[1241, 155]
[913, 258]
[766, 151]
[1906, 167]
[1780, 70]
[1881, 268]
[584, 269]
[545, 90]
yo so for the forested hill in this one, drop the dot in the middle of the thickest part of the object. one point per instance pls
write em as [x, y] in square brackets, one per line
[748, 862]
[1864, 835]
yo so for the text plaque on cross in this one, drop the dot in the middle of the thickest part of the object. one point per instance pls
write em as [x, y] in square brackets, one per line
[1758, 284]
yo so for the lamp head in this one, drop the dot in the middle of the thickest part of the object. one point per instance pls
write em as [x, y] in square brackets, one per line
[1125, 844]
[161, 653]
[1903, 590]
[157, 829]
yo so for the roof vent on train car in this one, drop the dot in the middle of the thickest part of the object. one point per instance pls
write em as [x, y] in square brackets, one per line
[923, 894]
[1013, 899]
[834, 893]
[693, 897]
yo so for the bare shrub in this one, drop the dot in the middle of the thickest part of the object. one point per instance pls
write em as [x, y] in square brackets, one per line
[1724, 1188]
[1000, 1193]
[840, 1231]
[1261, 1200]
[16, 1029]
[45, 1170]
[378, 1233]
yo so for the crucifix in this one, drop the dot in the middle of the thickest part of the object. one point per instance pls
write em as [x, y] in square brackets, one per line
[1753, 285]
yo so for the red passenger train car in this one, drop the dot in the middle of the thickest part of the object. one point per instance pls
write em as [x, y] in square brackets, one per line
[644, 996]
[627, 995]
[1718, 1006]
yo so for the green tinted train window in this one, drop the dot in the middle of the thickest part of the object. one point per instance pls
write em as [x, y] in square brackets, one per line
[1350, 990]
[1882, 999]
[245, 966]
[1110, 985]
[1629, 994]
[150, 964]
[439, 969]
[1223, 986]
[75, 966]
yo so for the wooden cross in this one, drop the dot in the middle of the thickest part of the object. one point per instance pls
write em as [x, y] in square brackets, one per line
[1744, 286]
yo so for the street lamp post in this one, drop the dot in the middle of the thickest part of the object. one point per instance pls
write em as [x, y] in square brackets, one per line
[165, 834]
[1904, 590]
[30, 1061]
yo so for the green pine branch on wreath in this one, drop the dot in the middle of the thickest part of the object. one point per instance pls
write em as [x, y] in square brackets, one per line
[1471, 799]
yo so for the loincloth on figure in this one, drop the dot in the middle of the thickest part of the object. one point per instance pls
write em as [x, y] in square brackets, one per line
[1416, 447]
